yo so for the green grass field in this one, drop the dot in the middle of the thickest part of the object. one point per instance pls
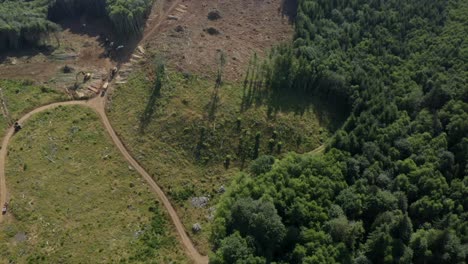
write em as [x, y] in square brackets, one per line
[191, 133]
[75, 200]
[21, 97]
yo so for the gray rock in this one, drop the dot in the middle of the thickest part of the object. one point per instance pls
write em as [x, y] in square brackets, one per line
[200, 202]
[196, 228]
[20, 237]
[138, 233]
[222, 189]
[211, 213]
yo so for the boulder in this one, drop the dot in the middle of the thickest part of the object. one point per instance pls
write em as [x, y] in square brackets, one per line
[200, 202]
[196, 228]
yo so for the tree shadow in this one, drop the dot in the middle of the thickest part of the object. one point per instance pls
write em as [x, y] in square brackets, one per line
[213, 105]
[150, 108]
[215, 100]
[330, 112]
[289, 9]
[93, 27]
[253, 94]
[28, 51]
[101, 29]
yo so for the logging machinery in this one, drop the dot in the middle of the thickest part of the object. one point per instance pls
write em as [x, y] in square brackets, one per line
[86, 77]
[4, 209]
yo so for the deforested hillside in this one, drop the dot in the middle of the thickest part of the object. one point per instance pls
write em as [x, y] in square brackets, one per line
[392, 185]
[30, 22]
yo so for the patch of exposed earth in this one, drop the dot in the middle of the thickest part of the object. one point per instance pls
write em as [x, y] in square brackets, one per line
[191, 41]
[79, 47]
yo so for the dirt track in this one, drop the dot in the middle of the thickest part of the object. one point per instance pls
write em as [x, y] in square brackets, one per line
[98, 105]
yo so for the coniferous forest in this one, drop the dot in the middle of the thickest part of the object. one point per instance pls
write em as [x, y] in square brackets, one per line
[30, 22]
[392, 186]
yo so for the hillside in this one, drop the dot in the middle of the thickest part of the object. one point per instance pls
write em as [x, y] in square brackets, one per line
[74, 200]
[269, 131]
[392, 185]
[193, 133]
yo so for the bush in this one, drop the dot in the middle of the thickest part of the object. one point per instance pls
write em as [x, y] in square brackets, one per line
[262, 165]
[214, 15]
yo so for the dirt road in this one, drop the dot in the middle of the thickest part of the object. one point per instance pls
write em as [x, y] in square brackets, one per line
[152, 29]
[98, 105]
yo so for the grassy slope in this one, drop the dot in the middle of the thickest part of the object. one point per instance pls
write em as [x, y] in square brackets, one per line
[23, 96]
[75, 198]
[185, 165]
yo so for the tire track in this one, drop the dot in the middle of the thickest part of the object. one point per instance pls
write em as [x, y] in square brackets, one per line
[98, 105]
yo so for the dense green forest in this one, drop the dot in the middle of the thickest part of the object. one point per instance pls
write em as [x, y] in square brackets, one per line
[30, 22]
[392, 186]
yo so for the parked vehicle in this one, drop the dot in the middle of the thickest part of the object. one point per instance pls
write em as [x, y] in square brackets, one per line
[4, 209]
[17, 127]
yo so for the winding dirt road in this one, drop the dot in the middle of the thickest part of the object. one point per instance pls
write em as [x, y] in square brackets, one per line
[98, 105]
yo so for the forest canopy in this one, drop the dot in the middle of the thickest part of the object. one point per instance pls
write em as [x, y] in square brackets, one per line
[30, 22]
[392, 186]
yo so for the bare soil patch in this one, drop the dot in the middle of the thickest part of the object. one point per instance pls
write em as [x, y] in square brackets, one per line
[77, 46]
[245, 27]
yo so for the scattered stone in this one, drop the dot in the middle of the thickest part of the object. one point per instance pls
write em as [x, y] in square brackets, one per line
[221, 189]
[138, 233]
[200, 202]
[171, 17]
[141, 49]
[12, 61]
[196, 228]
[20, 237]
[179, 28]
[211, 213]
[130, 168]
[186, 74]
[67, 69]
[214, 15]
[212, 31]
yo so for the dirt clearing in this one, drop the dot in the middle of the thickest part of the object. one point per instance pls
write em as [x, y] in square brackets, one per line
[76, 46]
[196, 31]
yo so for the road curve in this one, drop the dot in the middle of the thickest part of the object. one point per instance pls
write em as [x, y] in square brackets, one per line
[98, 105]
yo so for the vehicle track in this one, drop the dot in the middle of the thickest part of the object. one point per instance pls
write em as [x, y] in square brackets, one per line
[98, 105]
[161, 19]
